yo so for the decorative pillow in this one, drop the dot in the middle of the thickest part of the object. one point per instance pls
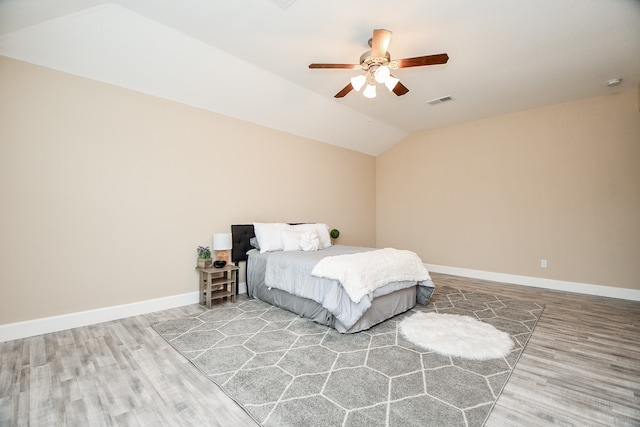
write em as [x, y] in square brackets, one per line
[321, 229]
[254, 243]
[310, 241]
[268, 235]
[290, 240]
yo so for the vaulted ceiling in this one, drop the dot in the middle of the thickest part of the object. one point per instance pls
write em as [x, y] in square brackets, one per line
[249, 58]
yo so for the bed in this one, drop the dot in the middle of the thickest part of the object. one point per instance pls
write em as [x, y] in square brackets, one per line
[294, 279]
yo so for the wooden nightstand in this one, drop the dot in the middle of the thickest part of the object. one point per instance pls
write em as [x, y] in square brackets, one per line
[217, 283]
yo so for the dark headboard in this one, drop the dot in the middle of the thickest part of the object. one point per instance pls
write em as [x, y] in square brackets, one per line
[241, 236]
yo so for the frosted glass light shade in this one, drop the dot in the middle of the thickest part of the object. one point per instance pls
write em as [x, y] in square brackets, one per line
[358, 81]
[370, 91]
[222, 241]
[391, 82]
[382, 74]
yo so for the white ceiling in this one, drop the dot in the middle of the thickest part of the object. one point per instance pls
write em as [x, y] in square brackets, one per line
[249, 58]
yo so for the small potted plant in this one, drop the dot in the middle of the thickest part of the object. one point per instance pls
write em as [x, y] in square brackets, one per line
[334, 233]
[204, 257]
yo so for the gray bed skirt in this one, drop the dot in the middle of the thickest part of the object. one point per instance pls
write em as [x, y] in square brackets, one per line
[382, 308]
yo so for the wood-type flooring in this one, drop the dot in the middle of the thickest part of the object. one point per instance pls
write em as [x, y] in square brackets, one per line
[581, 367]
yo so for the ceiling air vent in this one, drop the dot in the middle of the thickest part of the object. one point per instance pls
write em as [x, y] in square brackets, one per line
[440, 100]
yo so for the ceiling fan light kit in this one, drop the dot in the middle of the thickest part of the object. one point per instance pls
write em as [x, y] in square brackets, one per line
[377, 65]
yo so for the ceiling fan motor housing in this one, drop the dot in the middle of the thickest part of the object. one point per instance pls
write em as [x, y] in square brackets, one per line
[367, 61]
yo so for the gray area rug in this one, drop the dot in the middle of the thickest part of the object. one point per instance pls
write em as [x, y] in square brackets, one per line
[288, 371]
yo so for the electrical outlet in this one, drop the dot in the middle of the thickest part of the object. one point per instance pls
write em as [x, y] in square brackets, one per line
[543, 263]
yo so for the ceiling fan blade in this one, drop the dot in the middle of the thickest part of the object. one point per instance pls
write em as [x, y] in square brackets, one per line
[400, 89]
[348, 66]
[380, 43]
[348, 88]
[419, 61]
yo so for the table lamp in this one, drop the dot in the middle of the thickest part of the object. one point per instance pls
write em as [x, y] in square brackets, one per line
[222, 243]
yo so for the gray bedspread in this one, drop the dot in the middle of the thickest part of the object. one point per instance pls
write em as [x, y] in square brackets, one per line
[291, 272]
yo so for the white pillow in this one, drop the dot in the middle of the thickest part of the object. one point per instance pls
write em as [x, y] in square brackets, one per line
[268, 235]
[310, 241]
[321, 229]
[290, 240]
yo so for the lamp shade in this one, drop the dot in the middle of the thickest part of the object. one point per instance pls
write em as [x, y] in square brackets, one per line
[358, 81]
[382, 74]
[222, 241]
[391, 83]
[370, 91]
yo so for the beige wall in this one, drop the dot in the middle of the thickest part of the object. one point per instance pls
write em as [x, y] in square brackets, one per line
[106, 192]
[560, 183]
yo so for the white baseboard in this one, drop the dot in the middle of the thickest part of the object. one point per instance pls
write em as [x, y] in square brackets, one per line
[30, 328]
[538, 282]
[242, 288]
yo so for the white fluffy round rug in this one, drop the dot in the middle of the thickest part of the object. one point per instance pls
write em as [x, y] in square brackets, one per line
[456, 335]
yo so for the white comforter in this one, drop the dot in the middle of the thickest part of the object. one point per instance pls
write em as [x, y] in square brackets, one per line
[362, 273]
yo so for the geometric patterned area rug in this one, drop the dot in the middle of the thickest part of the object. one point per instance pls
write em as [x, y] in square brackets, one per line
[285, 370]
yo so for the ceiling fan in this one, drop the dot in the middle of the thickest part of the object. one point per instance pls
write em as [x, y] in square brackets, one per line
[377, 65]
